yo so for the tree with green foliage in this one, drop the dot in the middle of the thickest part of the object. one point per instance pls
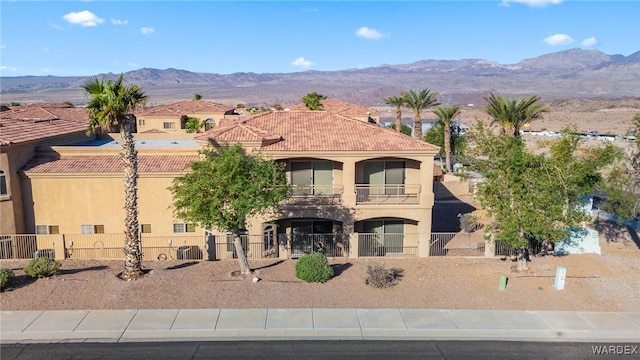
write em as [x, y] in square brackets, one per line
[111, 106]
[193, 125]
[398, 102]
[227, 187]
[405, 129]
[197, 97]
[419, 101]
[446, 114]
[513, 114]
[623, 181]
[313, 101]
[435, 135]
[535, 197]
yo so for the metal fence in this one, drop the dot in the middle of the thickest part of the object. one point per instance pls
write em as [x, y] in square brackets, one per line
[455, 244]
[332, 245]
[396, 244]
[254, 246]
[387, 194]
[27, 246]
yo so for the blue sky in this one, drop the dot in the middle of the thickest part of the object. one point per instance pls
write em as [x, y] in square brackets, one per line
[66, 38]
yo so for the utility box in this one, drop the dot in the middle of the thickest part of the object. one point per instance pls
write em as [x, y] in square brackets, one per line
[561, 276]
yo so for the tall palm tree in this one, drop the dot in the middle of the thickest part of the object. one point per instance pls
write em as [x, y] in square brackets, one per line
[398, 102]
[313, 101]
[111, 105]
[446, 114]
[514, 114]
[418, 101]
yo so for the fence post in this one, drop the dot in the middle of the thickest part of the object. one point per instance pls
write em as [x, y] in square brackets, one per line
[59, 247]
[353, 245]
[424, 242]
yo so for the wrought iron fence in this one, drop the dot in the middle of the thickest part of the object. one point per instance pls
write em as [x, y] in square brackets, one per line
[330, 244]
[385, 194]
[455, 244]
[396, 244]
[27, 246]
[254, 246]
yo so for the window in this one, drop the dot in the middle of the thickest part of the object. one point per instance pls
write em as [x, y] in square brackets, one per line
[93, 229]
[389, 234]
[312, 178]
[3, 183]
[169, 125]
[209, 124]
[141, 122]
[386, 176]
[183, 228]
[145, 228]
[47, 229]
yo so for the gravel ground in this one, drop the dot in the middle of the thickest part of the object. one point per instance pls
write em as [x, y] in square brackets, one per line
[607, 282]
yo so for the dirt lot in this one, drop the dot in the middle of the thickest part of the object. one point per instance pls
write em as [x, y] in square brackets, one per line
[607, 282]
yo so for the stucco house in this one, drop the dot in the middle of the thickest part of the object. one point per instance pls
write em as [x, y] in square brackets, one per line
[359, 189]
[171, 118]
[344, 108]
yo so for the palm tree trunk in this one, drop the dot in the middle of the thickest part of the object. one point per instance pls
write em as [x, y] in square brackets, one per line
[242, 256]
[417, 127]
[132, 248]
[447, 145]
[398, 119]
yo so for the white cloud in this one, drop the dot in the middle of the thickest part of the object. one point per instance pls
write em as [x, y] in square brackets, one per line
[147, 30]
[58, 27]
[366, 33]
[532, 3]
[301, 62]
[119, 22]
[8, 68]
[310, 10]
[558, 39]
[588, 42]
[2, 46]
[83, 18]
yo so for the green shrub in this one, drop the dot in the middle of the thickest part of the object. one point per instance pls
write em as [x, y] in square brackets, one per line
[314, 268]
[42, 267]
[380, 277]
[5, 277]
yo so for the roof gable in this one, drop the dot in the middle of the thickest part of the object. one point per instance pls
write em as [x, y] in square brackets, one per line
[185, 107]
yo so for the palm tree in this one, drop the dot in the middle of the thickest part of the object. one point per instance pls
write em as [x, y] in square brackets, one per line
[197, 97]
[398, 102]
[418, 101]
[446, 114]
[514, 114]
[313, 101]
[111, 105]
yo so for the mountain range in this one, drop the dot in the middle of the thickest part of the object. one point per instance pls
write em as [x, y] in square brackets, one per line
[569, 74]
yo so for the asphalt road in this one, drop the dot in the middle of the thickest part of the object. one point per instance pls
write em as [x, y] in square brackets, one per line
[384, 349]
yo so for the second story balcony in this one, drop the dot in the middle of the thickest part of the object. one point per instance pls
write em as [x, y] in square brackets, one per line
[387, 194]
[316, 194]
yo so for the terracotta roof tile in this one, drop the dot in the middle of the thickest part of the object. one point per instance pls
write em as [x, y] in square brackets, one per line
[184, 107]
[28, 123]
[314, 131]
[82, 164]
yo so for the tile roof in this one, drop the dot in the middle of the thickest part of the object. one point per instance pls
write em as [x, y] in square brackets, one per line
[340, 107]
[314, 131]
[33, 122]
[105, 164]
[184, 107]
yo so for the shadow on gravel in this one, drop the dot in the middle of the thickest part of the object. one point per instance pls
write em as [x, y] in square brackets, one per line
[75, 271]
[340, 268]
[183, 265]
[270, 265]
[19, 281]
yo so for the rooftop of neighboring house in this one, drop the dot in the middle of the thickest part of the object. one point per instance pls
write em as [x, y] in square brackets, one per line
[25, 123]
[51, 163]
[184, 107]
[340, 107]
[313, 131]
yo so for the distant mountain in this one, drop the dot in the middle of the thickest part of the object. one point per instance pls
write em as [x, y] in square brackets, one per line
[568, 74]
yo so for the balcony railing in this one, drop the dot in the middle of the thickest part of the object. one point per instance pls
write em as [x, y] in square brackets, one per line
[396, 244]
[384, 194]
[316, 194]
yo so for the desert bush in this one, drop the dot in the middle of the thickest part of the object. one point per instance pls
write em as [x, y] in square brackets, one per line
[5, 277]
[380, 277]
[314, 268]
[42, 267]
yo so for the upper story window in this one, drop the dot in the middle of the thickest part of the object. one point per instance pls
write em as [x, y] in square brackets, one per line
[145, 228]
[386, 177]
[312, 178]
[92, 229]
[209, 124]
[3, 183]
[141, 122]
[47, 229]
[168, 125]
[183, 228]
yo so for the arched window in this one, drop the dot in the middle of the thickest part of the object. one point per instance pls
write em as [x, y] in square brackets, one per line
[3, 183]
[209, 124]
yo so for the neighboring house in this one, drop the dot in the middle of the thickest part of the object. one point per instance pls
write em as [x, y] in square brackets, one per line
[358, 189]
[171, 118]
[344, 108]
[22, 130]
[426, 124]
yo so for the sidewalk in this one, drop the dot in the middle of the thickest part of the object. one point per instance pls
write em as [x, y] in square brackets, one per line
[315, 324]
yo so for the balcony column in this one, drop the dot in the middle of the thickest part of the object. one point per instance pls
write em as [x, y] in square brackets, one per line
[349, 182]
[424, 235]
[353, 245]
[426, 180]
